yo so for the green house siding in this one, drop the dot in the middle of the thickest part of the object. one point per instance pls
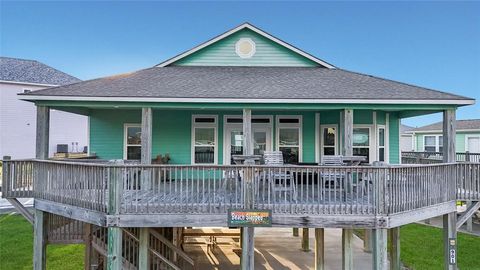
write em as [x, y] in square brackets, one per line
[460, 140]
[172, 131]
[106, 131]
[394, 138]
[268, 53]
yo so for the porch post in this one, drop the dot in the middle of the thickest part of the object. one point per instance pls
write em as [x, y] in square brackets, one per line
[248, 246]
[394, 235]
[319, 248]
[114, 233]
[380, 257]
[347, 249]
[146, 137]
[305, 240]
[347, 234]
[146, 158]
[39, 240]
[87, 238]
[43, 130]
[41, 152]
[450, 219]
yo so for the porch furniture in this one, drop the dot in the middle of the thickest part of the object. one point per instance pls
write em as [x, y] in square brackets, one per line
[353, 160]
[210, 235]
[279, 180]
[332, 180]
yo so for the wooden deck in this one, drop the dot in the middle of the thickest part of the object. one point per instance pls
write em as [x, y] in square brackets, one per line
[345, 196]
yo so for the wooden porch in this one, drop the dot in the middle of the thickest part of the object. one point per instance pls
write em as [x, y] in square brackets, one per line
[184, 195]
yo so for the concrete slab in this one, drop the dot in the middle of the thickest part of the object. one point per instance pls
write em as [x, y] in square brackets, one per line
[276, 248]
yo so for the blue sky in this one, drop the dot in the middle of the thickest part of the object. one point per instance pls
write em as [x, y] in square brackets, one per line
[431, 44]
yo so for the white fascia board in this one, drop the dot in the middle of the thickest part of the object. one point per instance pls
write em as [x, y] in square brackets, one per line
[254, 29]
[237, 100]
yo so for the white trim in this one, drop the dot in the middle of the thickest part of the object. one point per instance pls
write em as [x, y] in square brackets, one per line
[468, 136]
[27, 83]
[335, 126]
[384, 127]
[387, 139]
[227, 127]
[371, 147]
[437, 141]
[439, 131]
[317, 138]
[88, 135]
[125, 127]
[375, 139]
[249, 54]
[247, 100]
[298, 125]
[213, 125]
[236, 29]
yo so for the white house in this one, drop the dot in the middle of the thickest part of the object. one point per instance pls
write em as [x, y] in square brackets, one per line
[17, 117]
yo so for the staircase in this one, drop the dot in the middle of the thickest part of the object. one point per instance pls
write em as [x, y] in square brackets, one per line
[163, 254]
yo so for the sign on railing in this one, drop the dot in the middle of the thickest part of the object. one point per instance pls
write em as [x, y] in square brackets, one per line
[249, 218]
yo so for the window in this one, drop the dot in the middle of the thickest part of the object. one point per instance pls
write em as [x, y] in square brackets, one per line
[289, 138]
[26, 90]
[361, 142]
[329, 140]
[433, 143]
[133, 141]
[204, 136]
[381, 143]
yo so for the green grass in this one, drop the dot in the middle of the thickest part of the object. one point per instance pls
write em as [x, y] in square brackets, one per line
[16, 247]
[422, 248]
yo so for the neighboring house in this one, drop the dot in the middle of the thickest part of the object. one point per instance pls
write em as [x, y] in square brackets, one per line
[18, 118]
[429, 138]
[406, 139]
[243, 92]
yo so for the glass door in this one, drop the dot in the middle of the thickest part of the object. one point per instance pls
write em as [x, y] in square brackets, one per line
[234, 142]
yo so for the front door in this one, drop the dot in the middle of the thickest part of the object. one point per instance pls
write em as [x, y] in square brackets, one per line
[234, 141]
[473, 144]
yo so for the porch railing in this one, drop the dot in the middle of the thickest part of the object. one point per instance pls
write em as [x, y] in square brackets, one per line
[412, 157]
[292, 190]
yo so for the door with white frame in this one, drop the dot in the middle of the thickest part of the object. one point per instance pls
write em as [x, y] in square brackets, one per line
[233, 136]
[472, 143]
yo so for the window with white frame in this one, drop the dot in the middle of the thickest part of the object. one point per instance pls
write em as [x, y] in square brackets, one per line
[289, 138]
[329, 140]
[204, 139]
[433, 143]
[133, 141]
[361, 142]
[381, 143]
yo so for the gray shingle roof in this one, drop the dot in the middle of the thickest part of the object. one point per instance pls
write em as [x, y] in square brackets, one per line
[468, 124]
[31, 71]
[247, 83]
[405, 128]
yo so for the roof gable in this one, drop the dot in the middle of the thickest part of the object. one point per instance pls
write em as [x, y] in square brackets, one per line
[269, 51]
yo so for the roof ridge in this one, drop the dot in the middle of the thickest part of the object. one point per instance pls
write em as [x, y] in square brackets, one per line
[22, 59]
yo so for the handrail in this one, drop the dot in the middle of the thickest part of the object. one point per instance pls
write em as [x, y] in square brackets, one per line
[178, 251]
[213, 189]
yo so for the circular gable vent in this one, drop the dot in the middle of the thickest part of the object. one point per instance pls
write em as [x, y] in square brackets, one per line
[245, 47]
